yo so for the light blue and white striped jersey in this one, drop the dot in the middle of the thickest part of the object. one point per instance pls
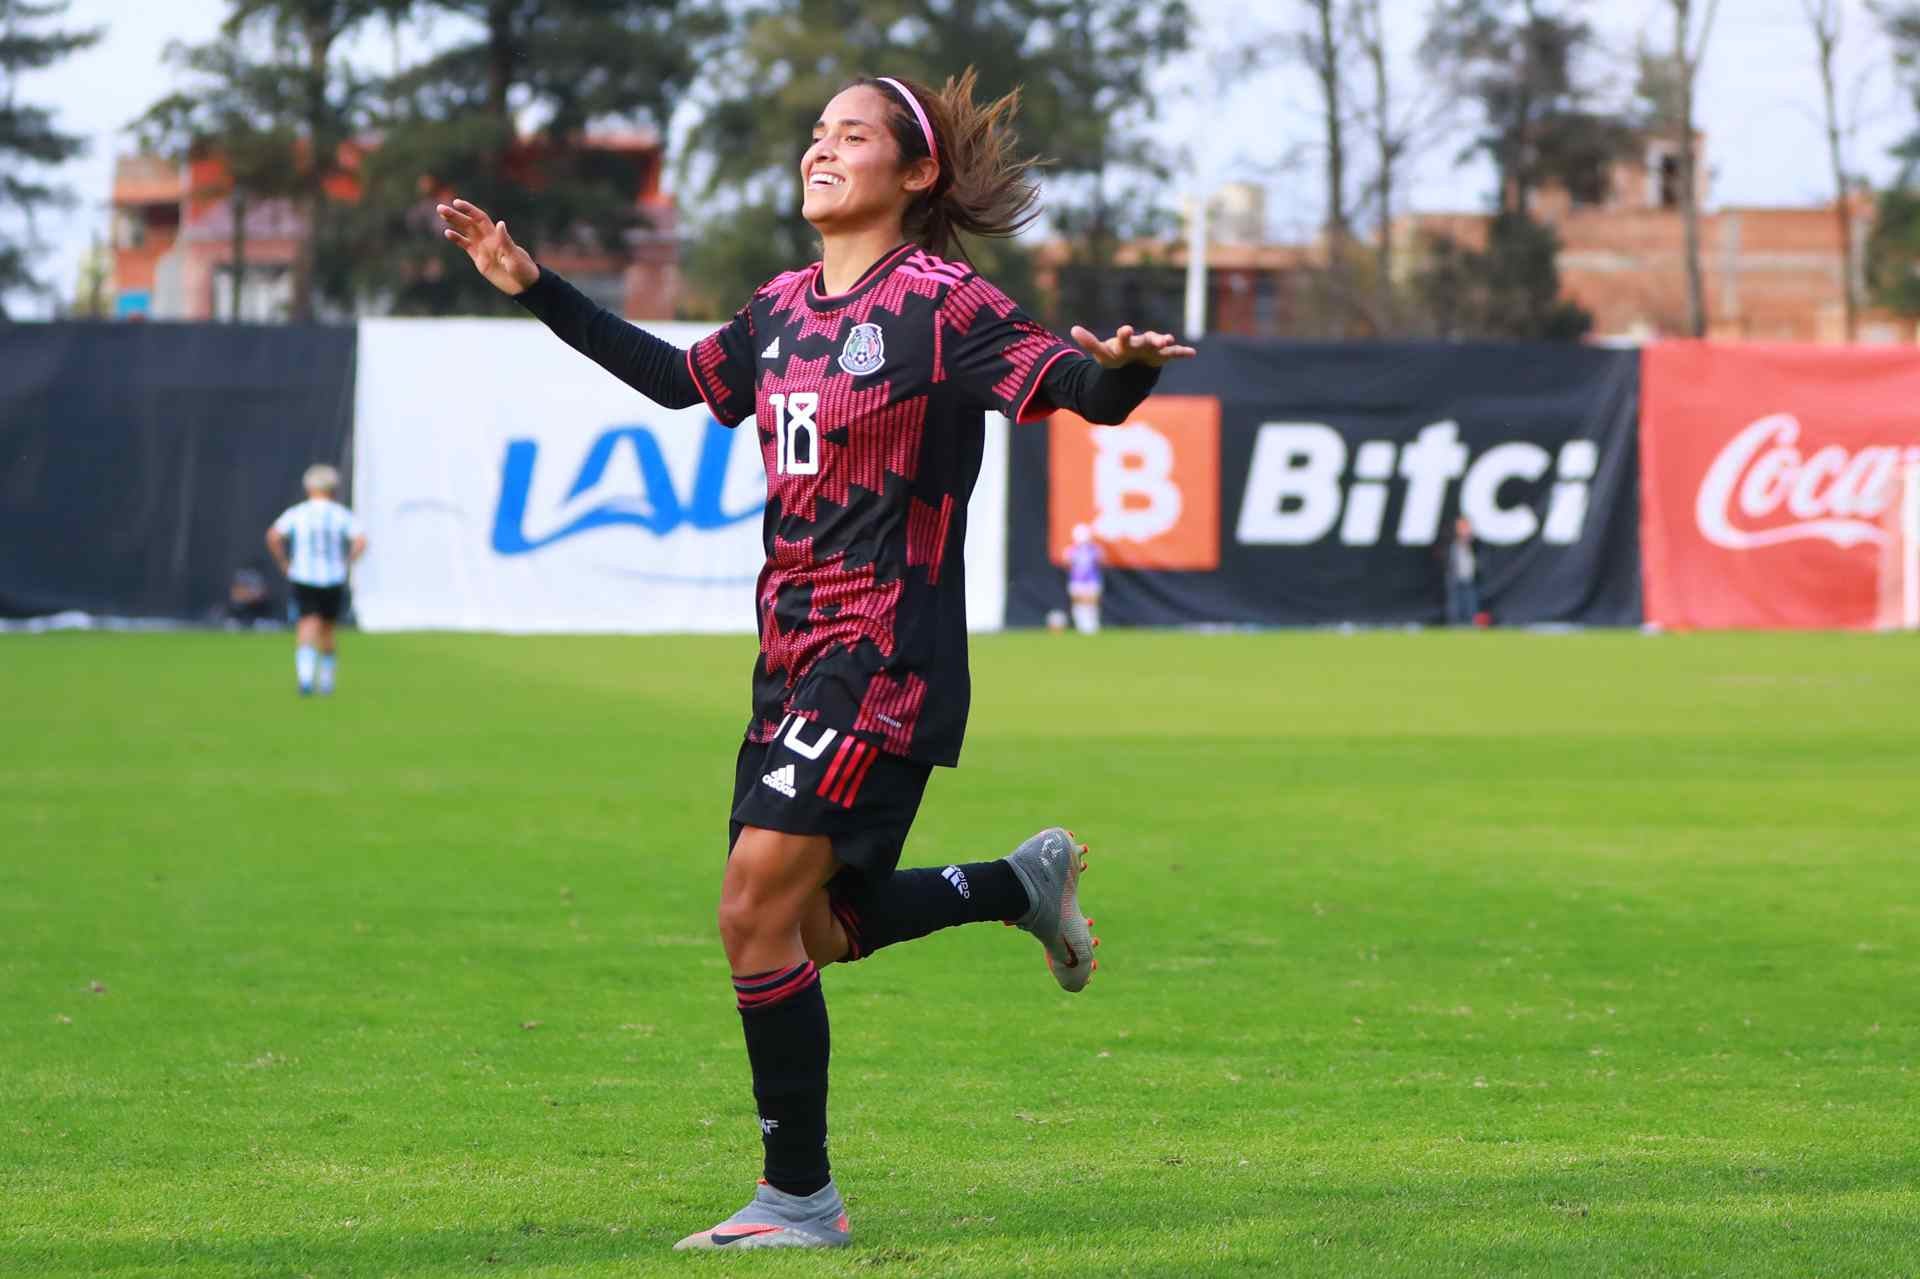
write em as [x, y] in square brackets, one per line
[318, 532]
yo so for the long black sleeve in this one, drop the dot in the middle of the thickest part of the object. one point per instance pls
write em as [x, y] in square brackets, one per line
[1098, 394]
[655, 368]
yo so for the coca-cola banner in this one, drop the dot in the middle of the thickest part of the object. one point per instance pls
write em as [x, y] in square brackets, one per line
[1272, 483]
[1768, 472]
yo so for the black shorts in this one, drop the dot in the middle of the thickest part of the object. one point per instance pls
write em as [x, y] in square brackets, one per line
[322, 602]
[812, 780]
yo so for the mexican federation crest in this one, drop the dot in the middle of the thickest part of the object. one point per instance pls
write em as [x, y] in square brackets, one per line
[865, 350]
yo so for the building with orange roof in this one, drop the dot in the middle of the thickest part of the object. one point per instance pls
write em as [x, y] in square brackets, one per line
[173, 244]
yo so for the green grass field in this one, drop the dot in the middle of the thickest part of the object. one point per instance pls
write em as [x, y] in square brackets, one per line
[1424, 954]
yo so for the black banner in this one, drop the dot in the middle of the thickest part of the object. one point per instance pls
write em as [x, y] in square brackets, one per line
[1342, 468]
[140, 465]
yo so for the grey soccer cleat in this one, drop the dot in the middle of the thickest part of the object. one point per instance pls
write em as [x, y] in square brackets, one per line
[776, 1219]
[1049, 867]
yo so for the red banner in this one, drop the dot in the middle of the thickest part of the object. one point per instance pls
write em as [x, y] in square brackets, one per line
[1766, 473]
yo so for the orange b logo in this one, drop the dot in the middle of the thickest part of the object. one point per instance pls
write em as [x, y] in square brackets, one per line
[1149, 488]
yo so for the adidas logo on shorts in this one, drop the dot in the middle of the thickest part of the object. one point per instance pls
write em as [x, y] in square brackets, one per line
[781, 779]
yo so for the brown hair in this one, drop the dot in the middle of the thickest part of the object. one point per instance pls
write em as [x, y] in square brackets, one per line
[984, 186]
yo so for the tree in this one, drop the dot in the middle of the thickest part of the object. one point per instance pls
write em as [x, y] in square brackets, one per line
[319, 105]
[267, 99]
[1322, 43]
[1667, 90]
[95, 277]
[1824, 20]
[1319, 38]
[1893, 249]
[451, 124]
[1082, 67]
[28, 135]
[1523, 63]
[1509, 290]
[1389, 142]
[234, 107]
[1396, 125]
[1086, 99]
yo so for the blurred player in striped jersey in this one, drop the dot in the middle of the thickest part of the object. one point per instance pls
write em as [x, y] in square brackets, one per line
[868, 374]
[315, 544]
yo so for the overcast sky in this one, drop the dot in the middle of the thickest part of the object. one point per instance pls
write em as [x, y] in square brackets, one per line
[1759, 97]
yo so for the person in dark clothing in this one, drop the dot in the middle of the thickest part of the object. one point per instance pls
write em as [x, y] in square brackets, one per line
[248, 603]
[868, 374]
[1463, 590]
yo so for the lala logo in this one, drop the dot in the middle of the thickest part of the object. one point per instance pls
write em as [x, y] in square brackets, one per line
[1831, 493]
[865, 350]
[660, 506]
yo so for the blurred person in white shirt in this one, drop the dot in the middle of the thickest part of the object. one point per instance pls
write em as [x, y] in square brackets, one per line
[315, 544]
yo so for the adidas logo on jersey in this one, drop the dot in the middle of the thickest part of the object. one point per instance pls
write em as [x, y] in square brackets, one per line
[781, 779]
[773, 349]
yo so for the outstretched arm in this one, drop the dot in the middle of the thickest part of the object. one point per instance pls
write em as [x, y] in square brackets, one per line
[655, 368]
[652, 366]
[1121, 373]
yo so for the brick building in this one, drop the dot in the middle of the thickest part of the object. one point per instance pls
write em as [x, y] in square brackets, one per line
[1253, 285]
[173, 241]
[1770, 274]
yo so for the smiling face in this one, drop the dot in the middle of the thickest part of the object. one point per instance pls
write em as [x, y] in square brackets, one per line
[852, 177]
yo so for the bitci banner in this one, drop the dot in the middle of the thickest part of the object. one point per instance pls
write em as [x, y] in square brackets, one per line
[1308, 484]
[1767, 472]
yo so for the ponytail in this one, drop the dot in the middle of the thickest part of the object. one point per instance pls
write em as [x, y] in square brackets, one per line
[984, 186]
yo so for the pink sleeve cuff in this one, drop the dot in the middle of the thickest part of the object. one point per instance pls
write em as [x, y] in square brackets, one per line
[1028, 410]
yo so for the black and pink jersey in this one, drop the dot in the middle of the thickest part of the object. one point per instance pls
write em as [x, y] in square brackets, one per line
[870, 408]
[871, 411]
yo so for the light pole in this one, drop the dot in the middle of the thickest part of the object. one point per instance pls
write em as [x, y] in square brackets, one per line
[1196, 307]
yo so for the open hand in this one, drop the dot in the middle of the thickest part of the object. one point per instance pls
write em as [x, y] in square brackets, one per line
[1128, 347]
[507, 267]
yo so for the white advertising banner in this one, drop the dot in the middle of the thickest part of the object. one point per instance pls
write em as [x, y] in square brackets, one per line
[508, 484]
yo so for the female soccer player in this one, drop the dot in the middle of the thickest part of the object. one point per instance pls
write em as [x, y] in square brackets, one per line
[327, 541]
[868, 374]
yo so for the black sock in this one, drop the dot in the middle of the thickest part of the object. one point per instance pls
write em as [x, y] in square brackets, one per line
[912, 903]
[785, 1019]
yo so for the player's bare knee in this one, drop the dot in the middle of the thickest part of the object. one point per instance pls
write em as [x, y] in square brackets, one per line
[749, 915]
[736, 922]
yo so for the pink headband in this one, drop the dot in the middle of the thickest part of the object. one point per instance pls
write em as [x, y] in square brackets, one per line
[926, 129]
